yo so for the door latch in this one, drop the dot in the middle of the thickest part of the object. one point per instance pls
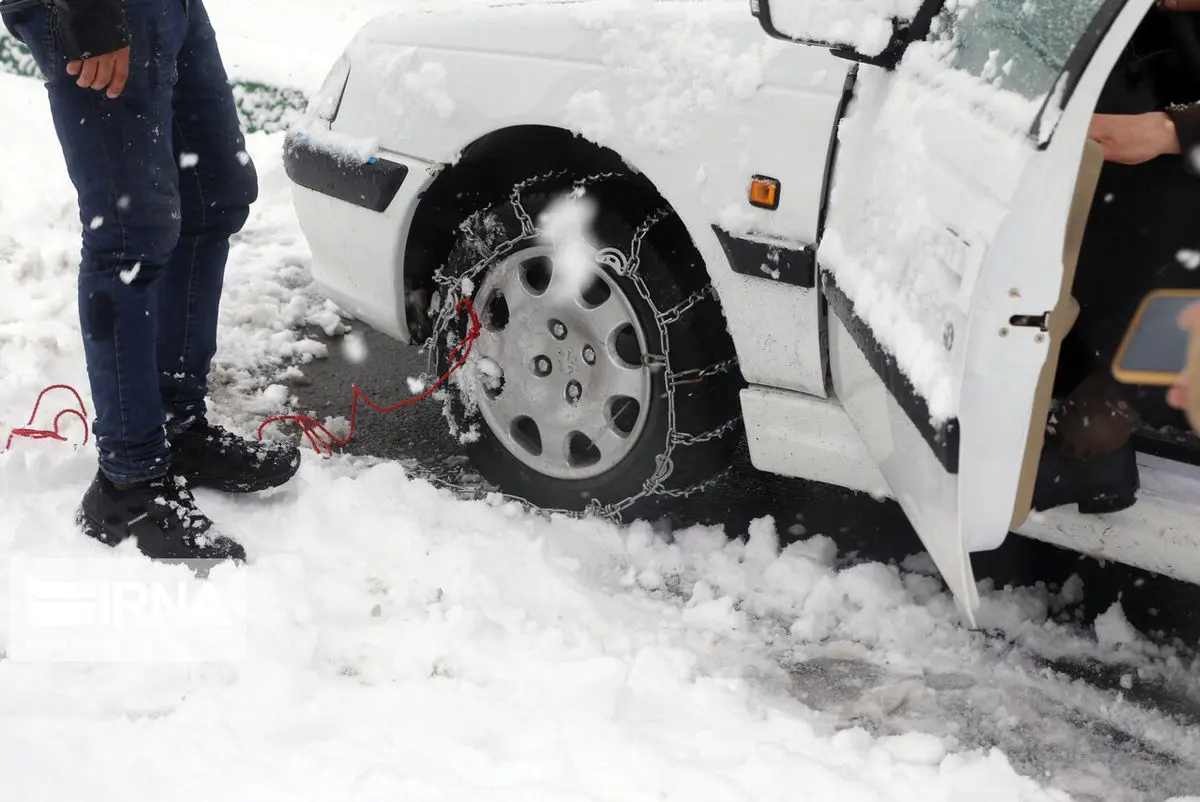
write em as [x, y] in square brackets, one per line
[1041, 321]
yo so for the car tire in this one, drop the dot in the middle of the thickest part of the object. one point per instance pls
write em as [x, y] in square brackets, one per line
[600, 394]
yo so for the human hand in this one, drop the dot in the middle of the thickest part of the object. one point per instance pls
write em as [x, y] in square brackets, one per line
[109, 70]
[1186, 394]
[1135, 138]
[1179, 5]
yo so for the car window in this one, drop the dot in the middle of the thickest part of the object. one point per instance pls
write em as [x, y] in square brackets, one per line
[1018, 45]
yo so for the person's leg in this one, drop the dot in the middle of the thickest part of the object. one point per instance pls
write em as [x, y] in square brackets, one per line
[119, 157]
[217, 184]
[1088, 458]
[1135, 239]
[119, 154]
[1137, 242]
[1097, 418]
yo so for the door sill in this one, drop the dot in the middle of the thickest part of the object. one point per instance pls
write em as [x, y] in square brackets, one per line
[1172, 444]
[1170, 482]
[1160, 533]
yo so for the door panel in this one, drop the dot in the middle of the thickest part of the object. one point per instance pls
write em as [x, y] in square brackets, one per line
[928, 493]
[1061, 320]
[945, 229]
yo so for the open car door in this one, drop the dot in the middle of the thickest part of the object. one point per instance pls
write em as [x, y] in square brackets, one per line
[942, 252]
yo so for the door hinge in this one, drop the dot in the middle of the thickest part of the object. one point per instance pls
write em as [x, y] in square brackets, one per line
[1041, 321]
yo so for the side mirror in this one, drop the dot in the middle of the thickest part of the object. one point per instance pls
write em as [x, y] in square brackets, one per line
[851, 29]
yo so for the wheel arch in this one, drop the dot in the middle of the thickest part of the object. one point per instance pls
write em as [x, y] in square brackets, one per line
[488, 167]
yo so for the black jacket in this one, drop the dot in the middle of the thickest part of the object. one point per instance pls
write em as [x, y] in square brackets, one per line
[89, 28]
[1187, 129]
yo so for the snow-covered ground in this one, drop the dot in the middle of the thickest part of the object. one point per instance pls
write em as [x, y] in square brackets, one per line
[403, 644]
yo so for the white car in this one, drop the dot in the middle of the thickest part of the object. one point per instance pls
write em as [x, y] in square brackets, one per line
[855, 247]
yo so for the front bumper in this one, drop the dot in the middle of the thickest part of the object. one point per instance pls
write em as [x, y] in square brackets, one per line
[371, 184]
[356, 214]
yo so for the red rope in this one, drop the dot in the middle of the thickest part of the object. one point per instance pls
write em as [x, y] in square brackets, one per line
[316, 433]
[51, 434]
[320, 437]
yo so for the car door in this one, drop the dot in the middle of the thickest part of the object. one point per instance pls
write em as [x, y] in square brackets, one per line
[942, 252]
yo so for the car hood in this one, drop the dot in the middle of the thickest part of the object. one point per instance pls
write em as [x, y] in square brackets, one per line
[565, 29]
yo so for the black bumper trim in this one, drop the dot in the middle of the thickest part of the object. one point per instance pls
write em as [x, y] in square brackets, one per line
[943, 439]
[795, 266]
[371, 185]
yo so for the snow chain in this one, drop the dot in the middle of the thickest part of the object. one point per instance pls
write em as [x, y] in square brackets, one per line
[450, 289]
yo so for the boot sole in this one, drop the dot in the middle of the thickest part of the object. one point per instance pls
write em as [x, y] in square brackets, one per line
[1114, 490]
[240, 486]
[1110, 504]
[1103, 505]
[97, 531]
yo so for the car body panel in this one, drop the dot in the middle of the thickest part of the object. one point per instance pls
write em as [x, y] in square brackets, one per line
[793, 434]
[947, 221]
[357, 253]
[693, 96]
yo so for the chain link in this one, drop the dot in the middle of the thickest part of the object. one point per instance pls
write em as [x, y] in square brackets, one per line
[693, 375]
[674, 313]
[685, 439]
[450, 287]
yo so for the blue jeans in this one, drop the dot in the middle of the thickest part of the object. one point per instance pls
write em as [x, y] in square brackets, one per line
[163, 181]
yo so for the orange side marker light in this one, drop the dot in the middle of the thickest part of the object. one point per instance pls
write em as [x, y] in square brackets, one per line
[764, 192]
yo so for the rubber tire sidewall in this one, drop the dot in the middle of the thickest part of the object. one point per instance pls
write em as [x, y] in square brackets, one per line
[694, 344]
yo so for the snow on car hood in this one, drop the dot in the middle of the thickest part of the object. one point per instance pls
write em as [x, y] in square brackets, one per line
[258, 40]
[563, 29]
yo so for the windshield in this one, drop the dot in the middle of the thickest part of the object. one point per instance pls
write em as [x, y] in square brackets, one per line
[1018, 45]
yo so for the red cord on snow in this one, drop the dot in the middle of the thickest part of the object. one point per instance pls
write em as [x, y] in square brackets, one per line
[309, 426]
[51, 434]
[320, 437]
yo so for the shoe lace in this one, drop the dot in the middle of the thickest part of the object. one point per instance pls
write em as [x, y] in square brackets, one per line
[173, 499]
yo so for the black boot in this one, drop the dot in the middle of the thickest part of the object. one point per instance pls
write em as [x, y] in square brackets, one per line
[161, 514]
[1100, 485]
[209, 456]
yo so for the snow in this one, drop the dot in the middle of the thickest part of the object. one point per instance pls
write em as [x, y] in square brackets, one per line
[260, 40]
[354, 348]
[409, 89]
[402, 642]
[1113, 628]
[944, 140]
[676, 74]
[127, 276]
[866, 25]
[589, 112]
[910, 275]
[347, 149]
[566, 226]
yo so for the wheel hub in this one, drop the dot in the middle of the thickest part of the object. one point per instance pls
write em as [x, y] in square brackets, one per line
[573, 389]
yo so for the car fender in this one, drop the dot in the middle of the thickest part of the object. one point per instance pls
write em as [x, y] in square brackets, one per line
[693, 96]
